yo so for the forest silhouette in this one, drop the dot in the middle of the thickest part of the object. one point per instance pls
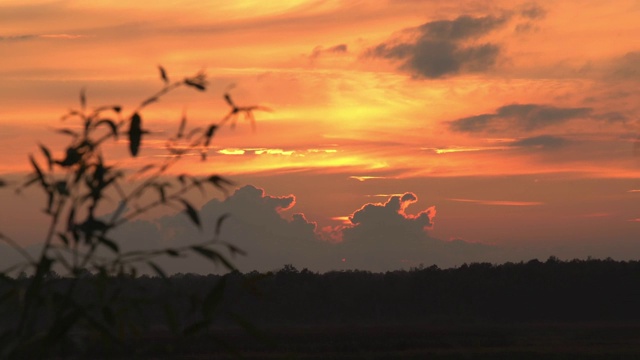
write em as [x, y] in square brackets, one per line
[512, 308]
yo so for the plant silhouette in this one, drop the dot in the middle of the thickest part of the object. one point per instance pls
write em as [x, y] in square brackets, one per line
[237, 110]
[43, 310]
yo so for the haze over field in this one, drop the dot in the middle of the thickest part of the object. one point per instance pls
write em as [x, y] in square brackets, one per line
[403, 132]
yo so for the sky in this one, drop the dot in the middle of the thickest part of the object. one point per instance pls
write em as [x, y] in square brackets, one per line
[400, 133]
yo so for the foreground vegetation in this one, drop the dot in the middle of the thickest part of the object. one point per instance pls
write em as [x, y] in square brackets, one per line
[89, 194]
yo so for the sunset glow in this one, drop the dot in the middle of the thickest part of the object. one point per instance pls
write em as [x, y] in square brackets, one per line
[512, 119]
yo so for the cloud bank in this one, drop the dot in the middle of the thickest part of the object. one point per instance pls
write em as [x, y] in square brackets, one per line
[379, 237]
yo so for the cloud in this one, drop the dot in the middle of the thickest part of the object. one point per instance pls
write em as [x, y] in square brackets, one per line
[334, 50]
[461, 28]
[626, 67]
[256, 225]
[438, 48]
[376, 237]
[42, 36]
[542, 141]
[384, 236]
[499, 202]
[366, 177]
[532, 11]
[524, 117]
[18, 37]
[379, 222]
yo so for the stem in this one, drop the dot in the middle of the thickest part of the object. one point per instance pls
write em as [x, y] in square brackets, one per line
[17, 247]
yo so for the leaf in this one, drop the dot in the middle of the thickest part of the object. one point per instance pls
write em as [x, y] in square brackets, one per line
[172, 252]
[39, 173]
[195, 84]
[213, 298]
[83, 99]
[157, 269]
[61, 187]
[163, 197]
[109, 243]
[220, 183]
[198, 184]
[209, 134]
[111, 124]
[63, 238]
[193, 132]
[47, 154]
[182, 178]
[71, 219]
[235, 250]
[49, 202]
[135, 134]
[192, 213]
[221, 219]
[183, 124]
[66, 132]
[150, 100]
[163, 74]
[72, 113]
[72, 157]
[32, 180]
[213, 255]
[227, 98]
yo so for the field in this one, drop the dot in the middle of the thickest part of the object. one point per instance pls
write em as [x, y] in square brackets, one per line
[522, 341]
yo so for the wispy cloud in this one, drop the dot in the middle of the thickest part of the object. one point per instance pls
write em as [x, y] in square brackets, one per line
[26, 37]
[499, 202]
[384, 195]
[458, 149]
[319, 51]
[542, 141]
[365, 178]
[343, 219]
[526, 117]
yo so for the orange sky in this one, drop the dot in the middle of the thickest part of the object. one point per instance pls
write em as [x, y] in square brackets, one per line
[489, 110]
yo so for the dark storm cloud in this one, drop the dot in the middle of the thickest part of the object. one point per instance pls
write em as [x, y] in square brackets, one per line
[525, 117]
[437, 48]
